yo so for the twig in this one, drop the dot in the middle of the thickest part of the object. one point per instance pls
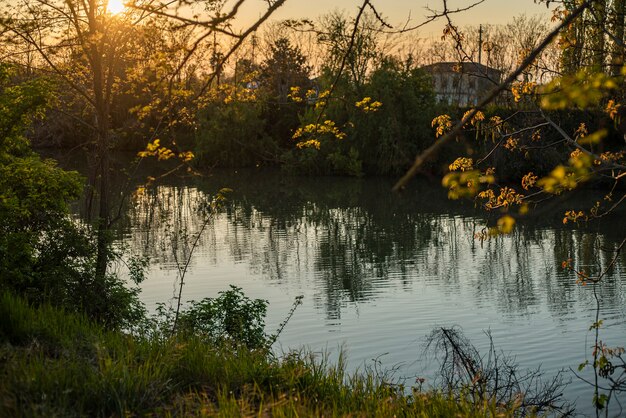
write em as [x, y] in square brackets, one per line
[184, 271]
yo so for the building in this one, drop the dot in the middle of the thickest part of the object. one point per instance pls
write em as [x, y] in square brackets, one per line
[462, 84]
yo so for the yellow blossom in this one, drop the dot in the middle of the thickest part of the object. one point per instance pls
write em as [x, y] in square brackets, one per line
[612, 109]
[529, 180]
[462, 164]
[442, 124]
[476, 119]
[511, 144]
[367, 105]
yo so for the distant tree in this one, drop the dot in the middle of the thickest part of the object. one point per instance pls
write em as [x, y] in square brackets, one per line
[284, 68]
[358, 53]
[500, 47]
[284, 71]
[617, 22]
[597, 39]
[385, 137]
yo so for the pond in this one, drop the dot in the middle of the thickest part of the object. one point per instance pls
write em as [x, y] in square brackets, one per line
[380, 271]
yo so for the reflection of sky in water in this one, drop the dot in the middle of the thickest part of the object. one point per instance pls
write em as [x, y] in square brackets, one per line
[379, 272]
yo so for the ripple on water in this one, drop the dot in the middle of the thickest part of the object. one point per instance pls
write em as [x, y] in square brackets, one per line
[379, 274]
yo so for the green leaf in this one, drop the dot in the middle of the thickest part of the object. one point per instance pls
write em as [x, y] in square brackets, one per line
[600, 401]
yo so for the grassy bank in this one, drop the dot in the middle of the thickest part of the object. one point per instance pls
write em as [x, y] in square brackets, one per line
[58, 364]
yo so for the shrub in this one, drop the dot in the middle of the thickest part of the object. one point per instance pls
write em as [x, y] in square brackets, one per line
[44, 254]
[231, 319]
[233, 135]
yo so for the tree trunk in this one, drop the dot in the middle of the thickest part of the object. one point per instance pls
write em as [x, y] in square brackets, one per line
[598, 41]
[573, 39]
[103, 222]
[617, 50]
[95, 51]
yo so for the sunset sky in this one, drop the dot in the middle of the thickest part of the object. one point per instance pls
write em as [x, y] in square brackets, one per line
[398, 11]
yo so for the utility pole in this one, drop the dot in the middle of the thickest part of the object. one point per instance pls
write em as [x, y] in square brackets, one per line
[254, 43]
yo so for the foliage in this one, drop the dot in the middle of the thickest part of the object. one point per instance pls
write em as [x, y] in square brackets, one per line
[246, 120]
[44, 254]
[60, 364]
[230, 319]
[232, 130]
[587, 43]
[284, 68]
[356, 47]
[368, 128]
[388, 137]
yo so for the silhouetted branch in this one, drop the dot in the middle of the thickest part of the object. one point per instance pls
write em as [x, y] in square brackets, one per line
[495, 377]
[458, 128]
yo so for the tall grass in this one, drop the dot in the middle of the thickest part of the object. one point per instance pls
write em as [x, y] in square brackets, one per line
[53, 363]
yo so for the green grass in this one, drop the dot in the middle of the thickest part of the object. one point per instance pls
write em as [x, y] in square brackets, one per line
[57, 364]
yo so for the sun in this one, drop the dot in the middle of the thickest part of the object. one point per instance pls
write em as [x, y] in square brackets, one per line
[116, 6]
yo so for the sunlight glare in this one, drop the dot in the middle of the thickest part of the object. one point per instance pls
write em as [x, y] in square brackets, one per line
[116, 6]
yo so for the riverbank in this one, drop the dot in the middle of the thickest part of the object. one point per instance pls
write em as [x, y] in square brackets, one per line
[58, 364]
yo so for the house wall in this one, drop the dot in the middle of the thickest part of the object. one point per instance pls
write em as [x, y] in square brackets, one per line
[463, 89]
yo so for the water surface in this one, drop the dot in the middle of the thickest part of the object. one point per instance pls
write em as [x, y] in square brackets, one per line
[380, 271]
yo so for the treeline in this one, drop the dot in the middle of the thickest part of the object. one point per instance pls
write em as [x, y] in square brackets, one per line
[245, 110]
[305, 96]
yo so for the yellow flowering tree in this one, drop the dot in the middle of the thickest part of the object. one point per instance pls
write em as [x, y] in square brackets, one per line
[563, 134]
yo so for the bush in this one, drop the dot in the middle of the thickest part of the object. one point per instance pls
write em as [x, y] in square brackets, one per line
[44, 254]
[233, 135]
[231, 319]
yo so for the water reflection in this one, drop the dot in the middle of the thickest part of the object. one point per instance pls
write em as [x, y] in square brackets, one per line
[380, 271]
[354, 240]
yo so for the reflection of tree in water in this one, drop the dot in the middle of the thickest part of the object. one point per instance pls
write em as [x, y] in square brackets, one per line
[354, 240]
[162, 222]
[518, 272]
[591, 252]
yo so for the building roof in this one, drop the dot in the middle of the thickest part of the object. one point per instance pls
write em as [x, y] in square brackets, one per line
[472, 68]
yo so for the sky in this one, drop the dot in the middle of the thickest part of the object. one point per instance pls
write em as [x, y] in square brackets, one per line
[398, 11]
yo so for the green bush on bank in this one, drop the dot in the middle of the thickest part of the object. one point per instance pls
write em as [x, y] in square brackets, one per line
[232, 134]
[54, 363]
[379, 140]
[45, 255]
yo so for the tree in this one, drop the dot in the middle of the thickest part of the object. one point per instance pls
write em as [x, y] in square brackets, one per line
[353, 45]
[284, 68]
[500, 47]
[587, 152]
[596, 39]
[44, 255]
[284, 71]
[617, 23]
[83, 44]
[385, 136]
